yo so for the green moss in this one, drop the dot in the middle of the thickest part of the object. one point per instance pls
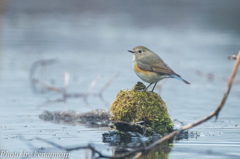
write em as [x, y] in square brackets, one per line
[136, 105]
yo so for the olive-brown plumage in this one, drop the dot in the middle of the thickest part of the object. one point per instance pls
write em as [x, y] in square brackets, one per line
[150, 67]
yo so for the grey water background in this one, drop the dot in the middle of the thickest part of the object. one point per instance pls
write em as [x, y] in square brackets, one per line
[89, 38]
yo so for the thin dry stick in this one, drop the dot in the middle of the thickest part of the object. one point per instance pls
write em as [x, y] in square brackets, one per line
[66, 82]
[63, 91]
[89, 146]
[108, 84]
[215, 113]
[47, 87]
[211, 76]
[92, 85]
[33, 69]
[100, 94]
[232, 57]
[138, 155]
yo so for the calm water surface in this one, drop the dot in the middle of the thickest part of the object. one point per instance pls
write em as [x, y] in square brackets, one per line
[91, 39]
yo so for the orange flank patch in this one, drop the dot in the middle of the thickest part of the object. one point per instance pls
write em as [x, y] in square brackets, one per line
[139, 70]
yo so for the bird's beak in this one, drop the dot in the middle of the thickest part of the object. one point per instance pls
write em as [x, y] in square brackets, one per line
[130, 51]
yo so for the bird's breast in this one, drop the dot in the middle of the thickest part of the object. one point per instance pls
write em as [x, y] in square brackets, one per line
[139, 70]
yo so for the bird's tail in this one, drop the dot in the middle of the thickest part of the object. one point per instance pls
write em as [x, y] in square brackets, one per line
[180, 78]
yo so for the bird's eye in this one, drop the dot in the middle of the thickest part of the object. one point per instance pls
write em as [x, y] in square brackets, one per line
[140, 51]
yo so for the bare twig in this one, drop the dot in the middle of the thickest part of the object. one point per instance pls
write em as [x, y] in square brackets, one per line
[31, 146]
[92, 85]
[212, 76]
[138, 155]
[89, 146]
[100, 94]
[63, 91]
[232, 57]
[209, 76]
[47, 87]
[108, 83]
[229, 85]
[66, 82]
[33, 69]
[51, 102]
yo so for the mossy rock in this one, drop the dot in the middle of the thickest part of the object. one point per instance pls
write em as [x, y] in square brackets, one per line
[137, 105]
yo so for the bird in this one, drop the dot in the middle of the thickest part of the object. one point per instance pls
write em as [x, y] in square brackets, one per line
[150, 67]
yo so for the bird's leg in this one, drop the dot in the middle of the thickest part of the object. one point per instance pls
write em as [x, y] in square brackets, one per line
[154, 86]
[148, 86]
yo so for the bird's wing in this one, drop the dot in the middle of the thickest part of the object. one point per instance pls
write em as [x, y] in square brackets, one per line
[155, 65]
[162, 68]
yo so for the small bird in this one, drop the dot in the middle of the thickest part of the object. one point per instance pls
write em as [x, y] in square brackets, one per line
[150, 67]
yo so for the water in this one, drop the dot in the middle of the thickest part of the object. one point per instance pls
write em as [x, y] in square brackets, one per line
[92, 38]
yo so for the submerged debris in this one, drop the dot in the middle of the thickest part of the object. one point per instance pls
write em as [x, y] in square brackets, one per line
[132, 133]
[98, 117]
[137, 105]
[124, 142]
[134, 127]
[116, 137]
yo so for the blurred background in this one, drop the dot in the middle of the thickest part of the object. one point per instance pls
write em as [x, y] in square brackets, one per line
[91, 38]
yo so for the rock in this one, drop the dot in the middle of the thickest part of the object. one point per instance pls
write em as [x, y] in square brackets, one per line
[134, 127]
[136, 105]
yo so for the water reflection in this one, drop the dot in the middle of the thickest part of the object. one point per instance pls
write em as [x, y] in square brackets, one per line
[161, 151]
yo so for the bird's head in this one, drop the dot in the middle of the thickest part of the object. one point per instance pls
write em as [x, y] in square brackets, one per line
[140, 52]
